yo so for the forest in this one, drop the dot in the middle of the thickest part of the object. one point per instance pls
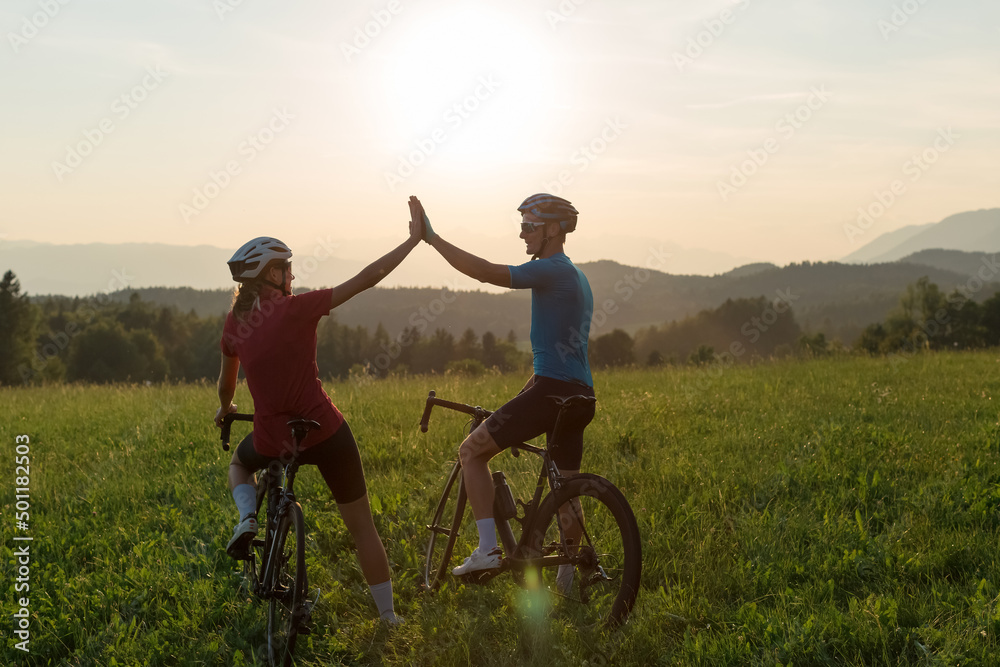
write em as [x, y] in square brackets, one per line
[99, 339]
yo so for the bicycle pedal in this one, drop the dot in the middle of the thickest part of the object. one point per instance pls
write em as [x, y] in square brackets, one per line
[480, 577]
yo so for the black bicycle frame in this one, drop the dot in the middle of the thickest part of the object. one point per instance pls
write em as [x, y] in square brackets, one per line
[280, 497]
[549, 472]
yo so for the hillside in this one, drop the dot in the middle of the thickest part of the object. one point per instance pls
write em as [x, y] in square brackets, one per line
[957, 261]
[836, 299]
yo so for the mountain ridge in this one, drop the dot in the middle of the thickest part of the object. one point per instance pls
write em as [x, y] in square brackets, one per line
[836, 299]
[969, 231]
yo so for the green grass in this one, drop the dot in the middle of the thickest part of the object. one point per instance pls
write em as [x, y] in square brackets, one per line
[841, 511]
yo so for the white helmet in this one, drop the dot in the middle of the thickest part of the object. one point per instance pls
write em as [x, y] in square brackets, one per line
[254, 255]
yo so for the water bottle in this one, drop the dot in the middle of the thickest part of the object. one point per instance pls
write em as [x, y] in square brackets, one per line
[503, 500]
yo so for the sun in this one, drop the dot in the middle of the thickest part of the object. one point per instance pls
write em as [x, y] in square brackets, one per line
[464, 84]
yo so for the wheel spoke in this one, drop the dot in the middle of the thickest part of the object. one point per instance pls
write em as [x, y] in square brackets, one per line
[447, 534]
[604, 552]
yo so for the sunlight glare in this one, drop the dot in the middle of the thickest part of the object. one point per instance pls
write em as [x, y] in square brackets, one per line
[471, 81]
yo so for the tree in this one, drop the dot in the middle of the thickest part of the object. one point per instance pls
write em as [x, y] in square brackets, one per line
[435, 353]
[18, 330]
[613, 349]
[815, 345]
[872, 339]
[105, 352]
[990, 314]
[703, 355]
[741, 328]
[468, 346]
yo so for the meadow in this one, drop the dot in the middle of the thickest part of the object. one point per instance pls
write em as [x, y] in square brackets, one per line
[841, 511]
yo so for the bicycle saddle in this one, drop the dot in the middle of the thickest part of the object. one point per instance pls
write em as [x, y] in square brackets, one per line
[570, 401]
[304, 424]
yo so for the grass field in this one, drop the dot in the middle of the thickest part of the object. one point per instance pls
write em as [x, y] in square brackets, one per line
[842, 511]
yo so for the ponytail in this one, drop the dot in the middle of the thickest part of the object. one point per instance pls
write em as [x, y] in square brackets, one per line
[244, 298]
[247, 295]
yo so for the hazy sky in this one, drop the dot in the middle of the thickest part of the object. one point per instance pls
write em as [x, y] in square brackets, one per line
[755, 129]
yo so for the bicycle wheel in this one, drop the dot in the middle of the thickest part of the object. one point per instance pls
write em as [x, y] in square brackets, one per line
[287, 594]
[606, 554]
[446, 530]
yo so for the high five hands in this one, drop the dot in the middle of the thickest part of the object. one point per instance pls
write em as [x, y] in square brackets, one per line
[417, 213]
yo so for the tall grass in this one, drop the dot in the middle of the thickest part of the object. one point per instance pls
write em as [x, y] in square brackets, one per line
[840, 511]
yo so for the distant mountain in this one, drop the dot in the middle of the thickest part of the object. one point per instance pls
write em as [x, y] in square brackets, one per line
[885, 243]
[957, 261]
[839, 300]
[972, 231]
[97, 268]
[749, 269]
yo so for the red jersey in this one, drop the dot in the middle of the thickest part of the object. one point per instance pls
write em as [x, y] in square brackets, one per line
[276, 344]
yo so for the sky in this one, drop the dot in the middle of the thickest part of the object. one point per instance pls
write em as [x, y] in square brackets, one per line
[740, 131]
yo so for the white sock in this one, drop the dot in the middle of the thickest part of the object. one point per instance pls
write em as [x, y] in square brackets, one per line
[246, 499]
[487, 535]
[383, 599]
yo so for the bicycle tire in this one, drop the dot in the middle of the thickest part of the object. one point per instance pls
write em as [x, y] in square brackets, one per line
[445, 528]
[607, 559]
[287, 587]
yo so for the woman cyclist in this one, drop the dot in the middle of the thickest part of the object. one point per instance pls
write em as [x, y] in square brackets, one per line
[272, 334]
[561, 309]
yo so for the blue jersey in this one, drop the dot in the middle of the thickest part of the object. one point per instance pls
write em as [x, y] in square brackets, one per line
[562, 306]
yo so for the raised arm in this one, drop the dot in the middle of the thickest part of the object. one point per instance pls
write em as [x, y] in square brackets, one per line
[373, 274]
[469, 264]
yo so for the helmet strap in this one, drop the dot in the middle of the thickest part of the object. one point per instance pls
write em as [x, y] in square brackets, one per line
[281, 287]
[545, 240]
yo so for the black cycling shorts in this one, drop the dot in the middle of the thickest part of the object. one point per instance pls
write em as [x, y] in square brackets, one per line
[337, 458]
[531, 413]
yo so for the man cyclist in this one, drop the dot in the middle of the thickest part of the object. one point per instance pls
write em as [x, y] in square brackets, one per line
[273, 335]
[561, 309]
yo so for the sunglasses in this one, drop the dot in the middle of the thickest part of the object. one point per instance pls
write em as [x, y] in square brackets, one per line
[531, 226]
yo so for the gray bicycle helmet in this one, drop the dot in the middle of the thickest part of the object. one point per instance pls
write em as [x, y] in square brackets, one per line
[551, 209]
[248, 262]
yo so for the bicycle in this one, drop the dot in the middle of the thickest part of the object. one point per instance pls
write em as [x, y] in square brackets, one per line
[275, 567]
[606, 557]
